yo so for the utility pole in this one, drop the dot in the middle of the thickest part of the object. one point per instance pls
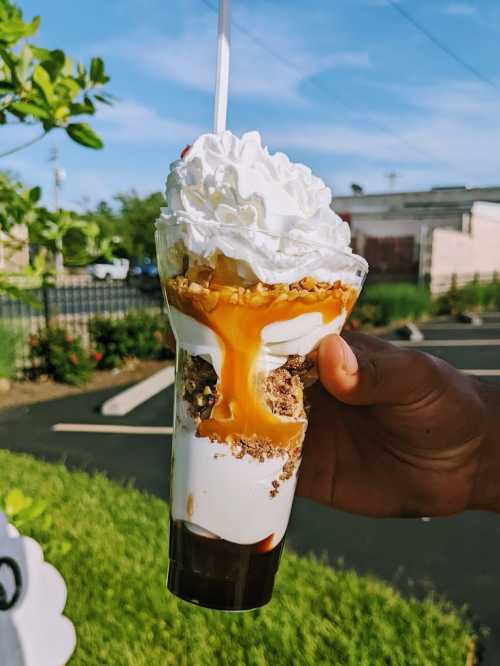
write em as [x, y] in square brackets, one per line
[58, 176]
[392, 177]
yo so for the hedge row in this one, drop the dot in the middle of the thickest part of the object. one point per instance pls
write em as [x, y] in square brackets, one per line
[383, 303]
[62, 356]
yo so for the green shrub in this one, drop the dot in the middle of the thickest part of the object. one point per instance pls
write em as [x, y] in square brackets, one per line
[139, 335]
[117, 599]
[475, 296]
[9, 340]
[61, 356]
[110, 341]
[382, 303]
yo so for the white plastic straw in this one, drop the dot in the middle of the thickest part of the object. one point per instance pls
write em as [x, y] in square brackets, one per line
[222, 74]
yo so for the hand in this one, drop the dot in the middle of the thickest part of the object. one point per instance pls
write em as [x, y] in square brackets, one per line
[392, 432]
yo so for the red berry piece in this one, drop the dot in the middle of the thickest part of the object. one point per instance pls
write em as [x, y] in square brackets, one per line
[185, 151]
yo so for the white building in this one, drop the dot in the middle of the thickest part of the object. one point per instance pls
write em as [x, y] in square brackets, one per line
[431, 235]
[14, 250]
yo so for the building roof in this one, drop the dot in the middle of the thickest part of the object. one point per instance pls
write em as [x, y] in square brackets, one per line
[440, 201]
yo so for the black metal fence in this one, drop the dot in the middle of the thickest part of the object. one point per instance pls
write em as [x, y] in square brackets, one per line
[71, 305]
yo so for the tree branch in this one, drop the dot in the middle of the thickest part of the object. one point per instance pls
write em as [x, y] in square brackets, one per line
[23, 145]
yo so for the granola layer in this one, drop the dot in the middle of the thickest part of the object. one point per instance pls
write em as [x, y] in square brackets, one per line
[282, 391]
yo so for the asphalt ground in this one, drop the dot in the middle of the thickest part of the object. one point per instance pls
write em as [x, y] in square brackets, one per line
[458, 557]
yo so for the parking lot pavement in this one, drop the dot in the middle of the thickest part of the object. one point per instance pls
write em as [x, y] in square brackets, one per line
[457, 556]
[143, 458]
[473, 348]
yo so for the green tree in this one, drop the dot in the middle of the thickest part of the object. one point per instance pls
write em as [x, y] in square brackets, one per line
[70, 238]
[49, 90]
[133, 221]
[44, 87]
[18, 205]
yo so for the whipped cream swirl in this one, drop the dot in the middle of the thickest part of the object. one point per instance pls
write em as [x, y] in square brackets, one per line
[231, 196]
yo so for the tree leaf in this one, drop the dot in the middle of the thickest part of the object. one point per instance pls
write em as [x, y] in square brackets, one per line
[104, 100]
[24, 64]
[10, 60]
[85, 135]
[62, 112]
[14, 29]
[42, 79]
[29, 109]
[55, 63]
[96, 70]
[34, 194]
[81, 71]
[71, 86]
[89, 104]
[79, 108]
[33, 27]
[38, 52]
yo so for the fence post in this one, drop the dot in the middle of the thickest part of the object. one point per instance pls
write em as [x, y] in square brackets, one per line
[46, 304]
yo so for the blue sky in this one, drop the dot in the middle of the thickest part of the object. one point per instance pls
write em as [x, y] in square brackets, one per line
[348, 87]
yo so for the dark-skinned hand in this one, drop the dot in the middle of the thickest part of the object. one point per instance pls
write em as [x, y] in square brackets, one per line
[392, 432]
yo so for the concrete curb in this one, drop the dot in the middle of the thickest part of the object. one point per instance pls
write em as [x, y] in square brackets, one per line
[127, 400]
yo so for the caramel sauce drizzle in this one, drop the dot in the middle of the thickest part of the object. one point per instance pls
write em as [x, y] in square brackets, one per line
[237, 317]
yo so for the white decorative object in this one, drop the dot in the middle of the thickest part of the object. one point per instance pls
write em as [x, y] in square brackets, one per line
[33, 630]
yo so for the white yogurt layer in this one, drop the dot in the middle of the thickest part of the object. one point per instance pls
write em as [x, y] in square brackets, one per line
[230, 196]
[213, 490]
[227, 496]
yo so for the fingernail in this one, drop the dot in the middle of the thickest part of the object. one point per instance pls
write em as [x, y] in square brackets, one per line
[350, 364]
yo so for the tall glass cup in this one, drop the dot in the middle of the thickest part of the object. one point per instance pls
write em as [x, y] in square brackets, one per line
[239, 420]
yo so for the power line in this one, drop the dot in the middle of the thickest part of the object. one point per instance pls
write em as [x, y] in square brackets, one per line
[323, 89]
[440, 45]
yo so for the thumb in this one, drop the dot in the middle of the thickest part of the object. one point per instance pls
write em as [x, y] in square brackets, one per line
[371, 371]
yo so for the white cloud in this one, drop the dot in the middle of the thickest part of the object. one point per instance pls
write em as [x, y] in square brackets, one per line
[460, 9]
[343, 140]
[456, 98]
[189, 57]
[129, 121]
[456, 126]
[88, 186]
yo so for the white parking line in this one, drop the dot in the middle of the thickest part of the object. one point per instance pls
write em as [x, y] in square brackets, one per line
[111, 429]
[482, 373]
[448, 343]
[130, 398]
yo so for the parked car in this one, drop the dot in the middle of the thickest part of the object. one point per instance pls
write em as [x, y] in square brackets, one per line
[144, 268]
[117, 269]
[144, 274]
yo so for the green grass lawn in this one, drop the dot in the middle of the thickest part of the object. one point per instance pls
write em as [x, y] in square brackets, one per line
[115, 572]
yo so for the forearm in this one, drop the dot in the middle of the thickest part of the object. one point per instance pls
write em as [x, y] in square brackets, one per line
[486, 495]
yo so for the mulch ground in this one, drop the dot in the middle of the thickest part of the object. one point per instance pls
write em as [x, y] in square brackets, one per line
[28, 392]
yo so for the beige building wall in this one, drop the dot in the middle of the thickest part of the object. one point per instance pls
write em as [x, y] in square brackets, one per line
[470, 252]
[14, 250]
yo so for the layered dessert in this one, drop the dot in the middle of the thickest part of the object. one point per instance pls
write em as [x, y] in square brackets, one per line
[256, 269]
